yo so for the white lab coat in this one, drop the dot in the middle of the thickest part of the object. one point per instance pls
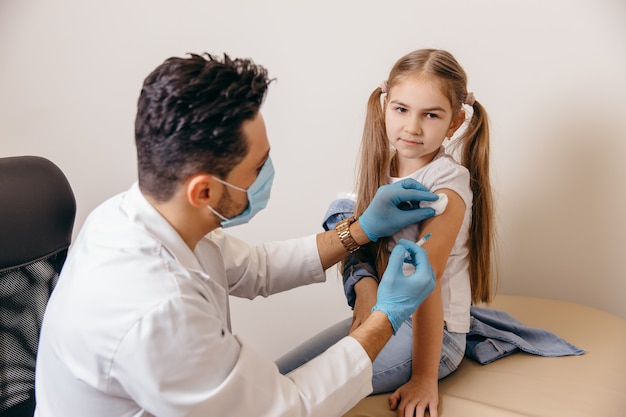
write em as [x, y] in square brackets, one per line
[139, 325]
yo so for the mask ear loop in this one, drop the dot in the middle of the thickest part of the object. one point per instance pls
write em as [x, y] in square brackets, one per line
[229, 184]
[221, 181]
[216, 213]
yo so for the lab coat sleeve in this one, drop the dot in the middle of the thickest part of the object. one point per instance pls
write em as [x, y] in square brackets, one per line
[179, 361]
[269, 268]
[327, 386]
[348, 367]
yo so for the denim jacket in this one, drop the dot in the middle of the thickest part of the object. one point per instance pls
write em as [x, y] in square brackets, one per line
[495, 334]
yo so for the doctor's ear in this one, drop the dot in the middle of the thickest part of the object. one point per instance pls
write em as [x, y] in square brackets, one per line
[201, 190]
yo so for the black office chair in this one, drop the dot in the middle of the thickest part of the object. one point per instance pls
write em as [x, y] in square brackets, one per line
[37, 212]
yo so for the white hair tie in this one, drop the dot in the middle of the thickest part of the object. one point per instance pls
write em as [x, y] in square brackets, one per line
[383, 94]
[470, 99]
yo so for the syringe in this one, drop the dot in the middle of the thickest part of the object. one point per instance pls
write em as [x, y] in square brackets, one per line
[420, 242]
[423, 240]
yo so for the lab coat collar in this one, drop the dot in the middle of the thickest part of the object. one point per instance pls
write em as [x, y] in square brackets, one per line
[141, 212]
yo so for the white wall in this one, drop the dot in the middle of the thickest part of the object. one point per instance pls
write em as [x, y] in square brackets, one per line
[551, 74]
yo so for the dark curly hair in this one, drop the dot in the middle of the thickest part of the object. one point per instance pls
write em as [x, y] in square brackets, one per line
[189, 119]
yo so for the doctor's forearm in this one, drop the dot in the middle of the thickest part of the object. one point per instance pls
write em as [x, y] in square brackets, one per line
[374, 333]
[330, 248]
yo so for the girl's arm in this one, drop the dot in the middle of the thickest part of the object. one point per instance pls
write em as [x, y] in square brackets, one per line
[360, 286]
[366, 294]
[421, 391]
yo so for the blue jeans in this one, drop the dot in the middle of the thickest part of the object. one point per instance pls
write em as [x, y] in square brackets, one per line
[392, 367]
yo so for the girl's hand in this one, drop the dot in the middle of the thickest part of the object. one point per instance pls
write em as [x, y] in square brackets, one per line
[414, 397]
[365, 299]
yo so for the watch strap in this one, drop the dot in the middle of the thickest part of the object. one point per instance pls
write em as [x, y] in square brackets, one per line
[343, 231]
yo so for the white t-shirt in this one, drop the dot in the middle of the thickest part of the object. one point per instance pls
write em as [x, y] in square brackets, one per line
[444, 172]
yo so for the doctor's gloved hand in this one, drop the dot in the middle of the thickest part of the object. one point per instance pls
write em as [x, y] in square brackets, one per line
[384, 217]
[400, 295]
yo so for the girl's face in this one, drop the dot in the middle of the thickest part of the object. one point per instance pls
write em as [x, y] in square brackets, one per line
[418, 117]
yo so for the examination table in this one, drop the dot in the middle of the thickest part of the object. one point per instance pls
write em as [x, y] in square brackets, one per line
[593, 384]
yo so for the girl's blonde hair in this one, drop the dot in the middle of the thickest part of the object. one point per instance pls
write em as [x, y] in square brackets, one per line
[376, 161]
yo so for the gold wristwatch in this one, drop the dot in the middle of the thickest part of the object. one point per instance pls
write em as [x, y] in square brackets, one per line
[343, 231]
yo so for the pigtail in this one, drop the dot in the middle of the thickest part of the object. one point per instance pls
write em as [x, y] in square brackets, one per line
[475, 157]
[374, 153]
[373, 169]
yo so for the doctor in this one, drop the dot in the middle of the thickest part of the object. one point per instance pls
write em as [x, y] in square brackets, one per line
[139, 324]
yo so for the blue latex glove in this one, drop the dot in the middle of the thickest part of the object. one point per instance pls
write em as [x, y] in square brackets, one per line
[400, 295]
[384, 217]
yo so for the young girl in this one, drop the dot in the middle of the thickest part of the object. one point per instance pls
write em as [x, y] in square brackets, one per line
[409, 117]
[422, 105]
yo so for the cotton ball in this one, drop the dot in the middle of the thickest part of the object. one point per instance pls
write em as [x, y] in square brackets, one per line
[439, 206]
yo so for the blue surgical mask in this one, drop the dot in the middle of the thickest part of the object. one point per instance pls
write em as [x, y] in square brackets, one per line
[258, 196]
